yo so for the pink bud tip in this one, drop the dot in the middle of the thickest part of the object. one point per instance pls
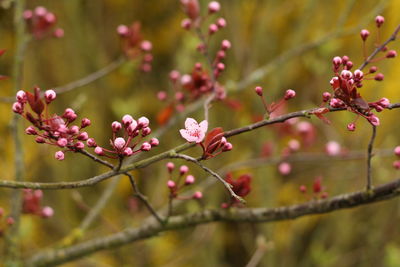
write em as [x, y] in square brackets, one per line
[332, 148]
[31, 130]
[145, 146]
[69, 114]
[50, 18]
[364, 34]
[189, 179]
[213, 7]
[391, 54]
[171, 184]
[289, 94]
[397, 150]
[170, 166]
[326, 96]
[374, 120]
[221, 66]
[197, 195]
[227, 147]
[127, 120]
[27, 14]
[146, 46]
[379, 20]
[62, 142]
[183, 169]
[284, 168]
[396, 164]
[73, 130]
[213, 28]
[123, 30]
[259, 90]
[379, 77]
[119, 143]
[146, 131]
[98, 150]
[337, 61]
[221, 23]
[351, 127]
[154, 142]
[91, 142]
[17, 107]
[358, 74]
[162, 95]
[40, 11]
[79, 145]
[85, 122]
[40, 140]
[303, 188]
[384, 102]
[10, 221]
[294, 145]
[143, 122]
[128, 151]
[116, 126]
[58, 33]
[186, 24]
[225, 45]
[59, 155]
[47, 212]
[373, 69]
[21, 97]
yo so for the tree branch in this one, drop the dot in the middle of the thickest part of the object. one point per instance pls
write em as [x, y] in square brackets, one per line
[255, 215]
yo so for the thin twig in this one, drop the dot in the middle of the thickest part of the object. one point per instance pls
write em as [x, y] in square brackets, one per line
[227, 185]
[370, 155]
[96, 159]
[143, 198]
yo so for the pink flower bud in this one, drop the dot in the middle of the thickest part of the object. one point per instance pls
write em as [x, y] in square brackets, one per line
[183, 169]
[62, 142]
[10, 221]
[40, 11]
[119, 143]
[221, 23]
[127, 120]
[337, 61]
[171, 184]
[396, 164]
[364, 34]
[326, 96]
[221, 66]
[146, 46]
[373, 69]
[21, 97]
[186, 79]
[391, 54]
[174, 75]
[213, 7]
[289, 94]
[213, 28]
[197, 195]
[27, 14]
[384, 102]
[31, 130]
[303, 188]
[128, 152]
[294, 145]
[351, 127]
[58, 33]
[98, 150]
[83, 136]
[332, 148]
[186, 24]
[336, 103]
[154, 142]
[227, 147]
[91, 142]
[47, 212]
[189, 180]
[73, 130]
[143, 122]
[40, 140]
[162, 95]
[397, 150]
[79, 145]
[259, 90]
[146, 131]
[85, 122]
[374, 120]
[345, 74]
[379, 20]
[345, 59]
[358, 74]
[1, 212]
[145, 146]
[17, 107]
[284, 168]
[69, 114]
[59, 155]
[225, 45]
[123, 30]
[50, 18]
[170, 166]
[379, 77]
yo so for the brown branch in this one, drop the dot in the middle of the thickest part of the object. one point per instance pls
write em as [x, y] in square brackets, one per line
[255, 215]
[369, 158]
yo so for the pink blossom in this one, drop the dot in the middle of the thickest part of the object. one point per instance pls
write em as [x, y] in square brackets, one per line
[85, 122]
[146, 46]
[289, 94]
[127, 120]
[379, 20]
[119, 143]
[143, 122]
[21, 96]
[332, 148]
[221, 23]
[91, 142]
[189, 179]
[17, 107]
[351, 126]
[225, 45]
[123, 30]
[171, 184]
[397, 150]
[50, 95]
[285, 168]
[183, 169]
[259, 90]
[364, 34]
[213, 7]
[79, 145]
[154, 142]
[194, 132]
[98, 150]
[145, 146]
[31, 130]
[47, 212]
[128, 151]
[170, 166]
[59, 155]
[62, 142]
[374, 120]
[197, 195]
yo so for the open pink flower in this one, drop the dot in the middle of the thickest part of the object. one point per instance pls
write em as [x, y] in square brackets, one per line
[194, 132]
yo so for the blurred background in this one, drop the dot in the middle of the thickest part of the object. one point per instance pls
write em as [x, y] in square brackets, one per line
[277, 44]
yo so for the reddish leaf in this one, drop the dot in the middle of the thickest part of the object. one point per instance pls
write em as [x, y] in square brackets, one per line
[213, 135]
[319, 113]
[2, 51]
[164, 115]
[34, 102]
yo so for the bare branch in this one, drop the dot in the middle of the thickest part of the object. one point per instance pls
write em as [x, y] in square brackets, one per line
[369, 157]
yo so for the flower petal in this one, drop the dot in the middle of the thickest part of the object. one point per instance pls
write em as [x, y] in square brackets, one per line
[190, 123]
[204, 126]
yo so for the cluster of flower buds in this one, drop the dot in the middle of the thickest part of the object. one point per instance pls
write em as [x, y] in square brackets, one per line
[175, 185]
[5, 222]
[32, 204]
[51, 129]
[2, 77]
[396, 163]
[269, 108]
[135, 46]
[214, 142]
[241, 186]
[319, 191]
[40, 23]
[194, 18]
[128, 144]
